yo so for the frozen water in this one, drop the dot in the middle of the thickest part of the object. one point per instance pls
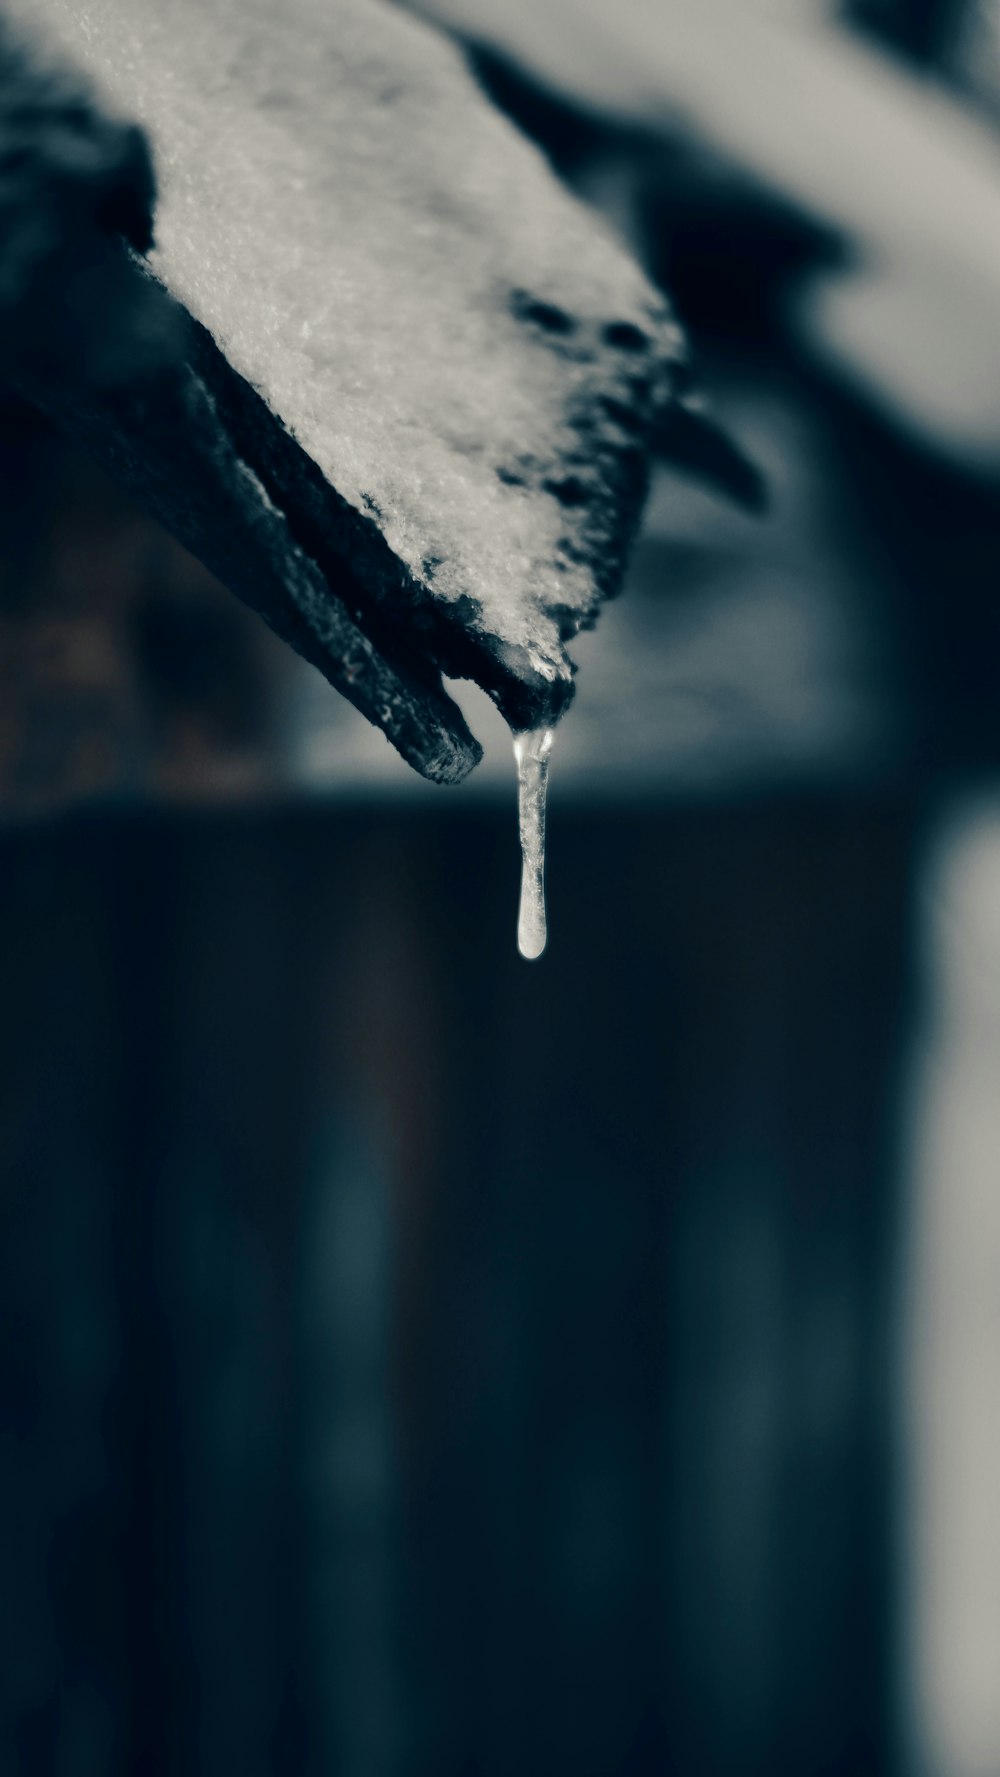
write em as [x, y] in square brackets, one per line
[531, 751]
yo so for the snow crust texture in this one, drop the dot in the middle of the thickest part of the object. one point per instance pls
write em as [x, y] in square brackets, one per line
[464, 364]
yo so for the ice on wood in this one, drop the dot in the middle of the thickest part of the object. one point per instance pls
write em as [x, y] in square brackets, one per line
[467, 360]
[531, 755]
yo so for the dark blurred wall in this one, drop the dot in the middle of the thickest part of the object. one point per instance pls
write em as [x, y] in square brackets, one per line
[417, 1361]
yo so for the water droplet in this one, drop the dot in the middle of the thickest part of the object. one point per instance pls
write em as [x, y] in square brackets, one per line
[531, 750]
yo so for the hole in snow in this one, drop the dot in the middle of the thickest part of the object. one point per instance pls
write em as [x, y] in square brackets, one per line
[626, 336]
[541, 314]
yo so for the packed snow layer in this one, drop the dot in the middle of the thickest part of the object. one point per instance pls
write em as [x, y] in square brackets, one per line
[461, 349]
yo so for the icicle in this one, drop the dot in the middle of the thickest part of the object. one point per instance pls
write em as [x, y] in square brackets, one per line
[531, 750]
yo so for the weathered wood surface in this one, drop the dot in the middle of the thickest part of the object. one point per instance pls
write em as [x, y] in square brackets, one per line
[409, 422]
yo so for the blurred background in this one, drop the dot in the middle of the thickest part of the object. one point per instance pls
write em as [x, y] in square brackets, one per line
[416, 1361]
